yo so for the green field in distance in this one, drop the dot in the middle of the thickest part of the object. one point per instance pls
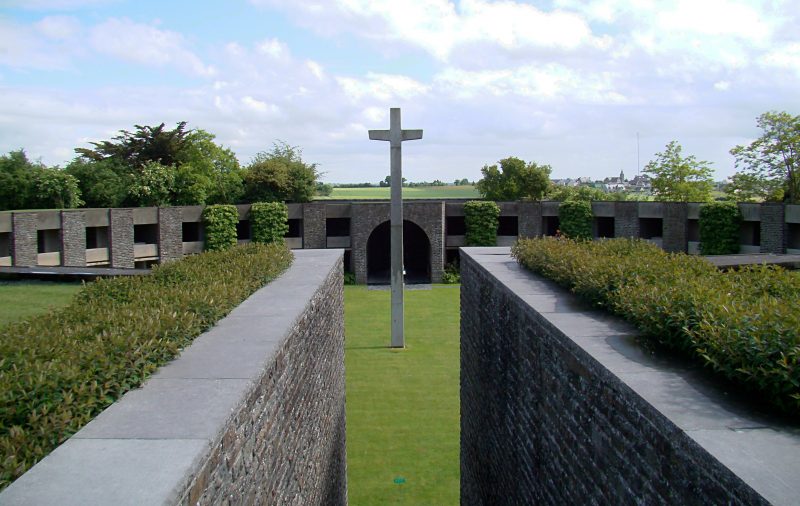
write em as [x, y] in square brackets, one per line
[422, 192]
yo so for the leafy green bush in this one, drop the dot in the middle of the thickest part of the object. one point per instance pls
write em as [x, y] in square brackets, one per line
[719, 228]
[451, 274]
[220, 226]
[269, 221]
[59, 371]
[743, 324]
[575, 219]
[481, 219]
[349, 278]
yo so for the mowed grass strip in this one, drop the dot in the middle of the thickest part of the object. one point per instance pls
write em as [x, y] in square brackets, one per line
[419, 192]
[403, 405]
[23, 299]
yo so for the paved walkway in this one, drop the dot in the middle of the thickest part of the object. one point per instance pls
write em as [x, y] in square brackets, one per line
[69, 272]
[731, 261]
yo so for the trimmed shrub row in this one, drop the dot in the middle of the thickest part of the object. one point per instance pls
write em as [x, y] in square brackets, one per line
[575, 219]
[719, 228]
[59, 371]
[220, 226]
[481, 218]
[269, 221]
[743, 324]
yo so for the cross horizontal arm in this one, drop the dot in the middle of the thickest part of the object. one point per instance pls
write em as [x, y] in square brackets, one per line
[412, 135]
[379, 135]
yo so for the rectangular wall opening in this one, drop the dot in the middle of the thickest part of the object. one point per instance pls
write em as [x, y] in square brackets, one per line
[243, 230]
[337, 227]
[96, 237]
[792, 236]
[5, 244]
[693, 230]
[145, 234]
[650, 228]
[604, 226]
[191, 231]
[49, 241]
[550, 225]
[295, 228]
[750, 233]
[455, 225]
[507, 225]
[348, 261]
[452, 256]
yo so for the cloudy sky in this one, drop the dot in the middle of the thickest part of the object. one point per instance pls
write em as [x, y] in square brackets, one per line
[568, 83]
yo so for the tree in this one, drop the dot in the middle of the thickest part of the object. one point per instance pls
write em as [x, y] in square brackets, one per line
[680, 179]
[54, 188]
[146, 144]
[775, 156]
[102, 183]
[213, 170]
[16, 180]
[750, 187]
[583, 194]
[152, 185]
[514, 180]
[280, 175]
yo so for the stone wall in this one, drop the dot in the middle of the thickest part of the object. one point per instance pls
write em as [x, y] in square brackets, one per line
[24, 244]
[530, 219]
[121, 238]
[560, 405]
[626, 219]
[773, 228]
[314, 225]
[73, 238]
[676, 223]
[170, 234]
[366, 216]
[253, 412]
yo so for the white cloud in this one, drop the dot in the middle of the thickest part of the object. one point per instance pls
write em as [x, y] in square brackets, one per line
[438, 27]
[785, 57]
[274, 49]
[382, 87]
[722, 85]
[146, 45]
[59, 27]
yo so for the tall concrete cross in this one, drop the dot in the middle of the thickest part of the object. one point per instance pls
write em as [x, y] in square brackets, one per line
[396, 135]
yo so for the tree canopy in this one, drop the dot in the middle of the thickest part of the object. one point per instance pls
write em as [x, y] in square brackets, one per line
[514, 180]
[30, 185]
[772, 161]
[280, 175]
[677, 178]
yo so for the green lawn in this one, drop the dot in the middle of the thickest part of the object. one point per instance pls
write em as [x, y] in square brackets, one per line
[424, 192]
[402, 405]
[21, 299]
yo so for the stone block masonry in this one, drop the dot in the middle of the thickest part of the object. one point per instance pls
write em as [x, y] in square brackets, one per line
[561, 406]
[253, 412]
[170, 234]
[121, 240]
[773, 228]
[73, 238]
[24, 245]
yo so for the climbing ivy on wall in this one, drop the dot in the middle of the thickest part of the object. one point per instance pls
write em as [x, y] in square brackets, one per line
[269, 221]
[481, 220]
[575, 219]
[220, 226]
[719, 228]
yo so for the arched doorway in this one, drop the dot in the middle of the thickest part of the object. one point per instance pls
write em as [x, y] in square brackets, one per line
[416, 254]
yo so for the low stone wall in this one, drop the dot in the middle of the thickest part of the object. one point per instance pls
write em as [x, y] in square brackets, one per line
[561, 406]
[252, 413]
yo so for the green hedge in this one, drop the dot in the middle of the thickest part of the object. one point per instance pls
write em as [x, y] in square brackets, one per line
[269, 221]
[743, 324]
[575, 219]
[220, 223]
[60, 370]
[481, 220]
[719, 228]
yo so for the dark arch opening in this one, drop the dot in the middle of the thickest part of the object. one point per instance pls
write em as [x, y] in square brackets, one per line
[416, 254]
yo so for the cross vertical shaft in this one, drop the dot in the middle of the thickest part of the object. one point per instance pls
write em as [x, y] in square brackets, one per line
[396, 135]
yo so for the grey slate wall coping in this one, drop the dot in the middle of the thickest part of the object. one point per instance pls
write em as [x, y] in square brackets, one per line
[762, 451]
[146, 447]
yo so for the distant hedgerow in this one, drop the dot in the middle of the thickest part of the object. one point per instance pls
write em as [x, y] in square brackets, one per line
[59, 371]
[743, 324]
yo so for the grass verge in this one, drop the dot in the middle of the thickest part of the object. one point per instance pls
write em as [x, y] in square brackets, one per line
[403, 405]
[23, 299]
